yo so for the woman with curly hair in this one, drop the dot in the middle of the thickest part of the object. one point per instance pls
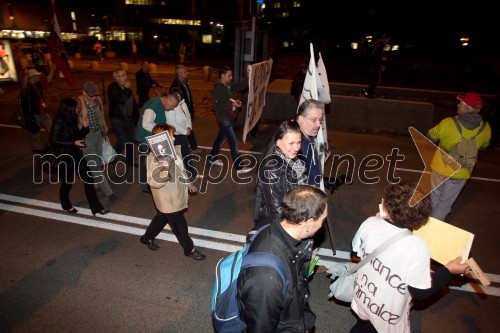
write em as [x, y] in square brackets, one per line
[386, 286]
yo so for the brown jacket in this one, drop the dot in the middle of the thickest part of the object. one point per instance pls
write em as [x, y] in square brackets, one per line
[83, 114]
[170, 194]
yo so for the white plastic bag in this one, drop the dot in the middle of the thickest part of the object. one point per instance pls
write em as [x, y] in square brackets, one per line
[108, 152]
[343, 286]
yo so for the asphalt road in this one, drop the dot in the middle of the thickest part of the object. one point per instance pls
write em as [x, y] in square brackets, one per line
[65, 273]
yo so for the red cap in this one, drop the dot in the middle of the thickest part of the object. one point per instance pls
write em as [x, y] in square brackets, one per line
[472, 99]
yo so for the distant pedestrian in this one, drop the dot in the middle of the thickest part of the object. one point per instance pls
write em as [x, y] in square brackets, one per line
[35, 110]
[144, 83]
[98, 50]
[123, 114]
[182, 53]
[181, 83]
[171, 198]
[134, 51]
[378, 59]
[226, 108]
[38, 58]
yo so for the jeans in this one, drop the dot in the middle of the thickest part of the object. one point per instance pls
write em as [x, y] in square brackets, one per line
[226, 131]
[124, 130]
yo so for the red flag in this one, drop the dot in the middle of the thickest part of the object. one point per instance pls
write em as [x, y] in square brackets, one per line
[57, 52]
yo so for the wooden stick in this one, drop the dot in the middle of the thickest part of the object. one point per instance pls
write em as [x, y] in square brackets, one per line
[478, 272]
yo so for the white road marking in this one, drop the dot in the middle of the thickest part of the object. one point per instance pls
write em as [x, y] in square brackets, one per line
[84, 217]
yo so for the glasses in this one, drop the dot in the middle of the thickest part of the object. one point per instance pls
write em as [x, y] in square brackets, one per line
[315, 120]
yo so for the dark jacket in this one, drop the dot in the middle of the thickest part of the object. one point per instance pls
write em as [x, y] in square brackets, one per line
[144, 83]
[63, 134]
[220, 99]
[122, 104]
[185, 91]
[310, 157]
[260, 288]
[275, 178]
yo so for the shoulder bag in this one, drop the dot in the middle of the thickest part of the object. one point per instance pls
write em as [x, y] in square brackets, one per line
[342, 288]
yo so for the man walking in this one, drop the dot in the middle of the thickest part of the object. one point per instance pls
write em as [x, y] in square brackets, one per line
[33, 100]
[181, 84]
[144, 83]
[123, 113]
[226, 108]
[449, 132]
[90, 107]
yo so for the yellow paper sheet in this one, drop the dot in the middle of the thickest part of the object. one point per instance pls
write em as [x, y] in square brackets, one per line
[445, 241]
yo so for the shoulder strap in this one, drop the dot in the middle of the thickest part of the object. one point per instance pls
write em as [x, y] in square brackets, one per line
[480, 130]
[264, 259]
[380, 248]
[459, 127]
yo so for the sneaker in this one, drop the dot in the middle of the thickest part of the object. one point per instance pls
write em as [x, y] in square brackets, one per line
[216, 162]
[196, 255]
[243, 170]
[197, 151]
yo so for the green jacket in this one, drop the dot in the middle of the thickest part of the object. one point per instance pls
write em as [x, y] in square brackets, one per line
[156, 105]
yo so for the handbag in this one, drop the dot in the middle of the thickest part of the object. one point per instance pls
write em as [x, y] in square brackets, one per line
[342, 288]
[108, 152]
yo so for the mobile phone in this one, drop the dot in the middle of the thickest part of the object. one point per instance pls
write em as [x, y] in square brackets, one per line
[381, 211]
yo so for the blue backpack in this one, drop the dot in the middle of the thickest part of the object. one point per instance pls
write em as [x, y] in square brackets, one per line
[225, 309]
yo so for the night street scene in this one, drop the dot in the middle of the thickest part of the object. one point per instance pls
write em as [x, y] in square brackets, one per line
[333, 125]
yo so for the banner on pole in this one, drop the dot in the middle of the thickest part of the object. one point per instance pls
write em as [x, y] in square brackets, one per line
[258, 79]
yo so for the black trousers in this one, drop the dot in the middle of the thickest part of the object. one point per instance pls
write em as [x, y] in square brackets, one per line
[67, 170]
[187, 157]
[177, 223]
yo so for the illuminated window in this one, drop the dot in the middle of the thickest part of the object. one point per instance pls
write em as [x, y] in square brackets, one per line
[177, 22]
[206, 39]
[139, 2]
[296, 4]
[73, 16]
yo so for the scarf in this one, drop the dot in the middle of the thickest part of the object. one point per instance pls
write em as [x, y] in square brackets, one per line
[296, 164]
[470, 120]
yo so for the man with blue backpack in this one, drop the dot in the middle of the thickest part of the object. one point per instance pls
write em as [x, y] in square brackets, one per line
[271, 293]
